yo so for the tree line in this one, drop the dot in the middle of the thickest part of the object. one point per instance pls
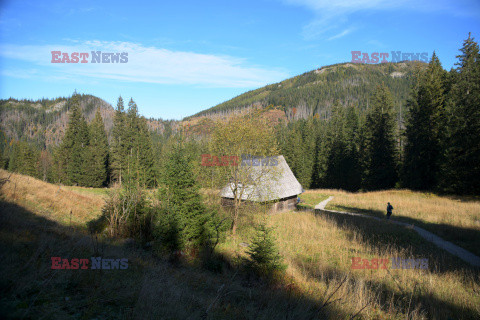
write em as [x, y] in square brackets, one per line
[438, 148]
[85, 157]
[354, 148]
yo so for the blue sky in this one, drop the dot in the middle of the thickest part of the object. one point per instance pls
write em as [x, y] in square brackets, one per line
[186, 56]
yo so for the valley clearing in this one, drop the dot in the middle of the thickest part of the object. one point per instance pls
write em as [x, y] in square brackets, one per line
[40, 220]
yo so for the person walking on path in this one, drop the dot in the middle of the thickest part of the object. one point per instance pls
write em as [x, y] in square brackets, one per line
[389, 210]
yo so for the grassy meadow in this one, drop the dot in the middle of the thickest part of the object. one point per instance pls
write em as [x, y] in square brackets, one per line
[316, 248]
[65, 205]
[455, 219]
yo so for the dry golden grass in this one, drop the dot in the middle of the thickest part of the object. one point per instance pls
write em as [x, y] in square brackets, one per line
[318, 252]
[416, 205]
[51, 201]
[453, 219]
[317, 249]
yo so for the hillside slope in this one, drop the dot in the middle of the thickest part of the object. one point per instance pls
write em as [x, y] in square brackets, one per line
[314, 92]
[44, 121]
[65, 205]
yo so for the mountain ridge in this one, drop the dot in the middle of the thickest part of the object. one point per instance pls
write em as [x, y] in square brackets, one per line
[44, 121]
[312, 93]
[315, 91]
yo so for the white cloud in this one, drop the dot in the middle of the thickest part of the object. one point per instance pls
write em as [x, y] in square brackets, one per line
[341, 34]
[145, 64]
[331, 15]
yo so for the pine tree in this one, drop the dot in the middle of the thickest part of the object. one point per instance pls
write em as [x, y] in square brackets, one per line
[263, 253]
[322, 152]
[13, 161]
[307, 146]
[139, 146]
[423, 129]
[119, 149]
[379, 152]
[343, 166]
[132, 127]
[96, 158]
[146, 155]
[461, 168]
[24, 159]
[73, 148]
[180, 197]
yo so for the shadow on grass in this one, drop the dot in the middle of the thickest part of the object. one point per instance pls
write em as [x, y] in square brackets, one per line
[150, 288]
[467, 238]
[384, 235]
[390, 299]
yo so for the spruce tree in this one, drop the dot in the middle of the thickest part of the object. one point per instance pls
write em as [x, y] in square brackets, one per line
[139, 146]
[96, 158]
[423, 129]
[343, 166]
[461, 167]
[181, 201]
[24, 159]
[118, 149]
[13, 161]
[264, 256]
[146, 155]
[74, 144]
[307, 146]
[379, 152]
[322, 152]
[132, 127]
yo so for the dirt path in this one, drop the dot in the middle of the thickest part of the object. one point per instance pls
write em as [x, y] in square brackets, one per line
[439, 242]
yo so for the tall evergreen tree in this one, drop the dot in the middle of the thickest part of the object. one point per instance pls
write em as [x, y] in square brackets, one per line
[119, 149]
[148, 173]
[423, 129]
[95, 167]
[343, 165]
[181, 200]
[321, 160]
[379, 152]
[24, 158]
[298, 144]
[139, 146]
[73, 148]
[461, 168]
[309, 139]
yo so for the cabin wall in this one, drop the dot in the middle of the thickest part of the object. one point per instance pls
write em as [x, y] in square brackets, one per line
[284, 204]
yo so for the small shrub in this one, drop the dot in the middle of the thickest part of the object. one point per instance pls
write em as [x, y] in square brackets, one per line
[264, 256]
[167, 232]
[128, 214]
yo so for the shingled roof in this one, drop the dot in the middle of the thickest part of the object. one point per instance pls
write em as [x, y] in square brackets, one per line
[271, 183]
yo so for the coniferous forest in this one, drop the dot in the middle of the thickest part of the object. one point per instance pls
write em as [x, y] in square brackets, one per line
[427, 140]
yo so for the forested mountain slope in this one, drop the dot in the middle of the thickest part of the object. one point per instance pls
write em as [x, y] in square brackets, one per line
[314, 92]
[43, 122]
